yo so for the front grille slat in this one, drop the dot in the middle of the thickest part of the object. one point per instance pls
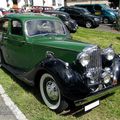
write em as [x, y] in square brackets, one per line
[95, 64]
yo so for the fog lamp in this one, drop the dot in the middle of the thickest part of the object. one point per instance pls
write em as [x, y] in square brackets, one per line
[106, 77]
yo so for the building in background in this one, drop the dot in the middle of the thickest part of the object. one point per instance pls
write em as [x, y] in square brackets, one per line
[51, 3]
[72, 2]
[20, 3]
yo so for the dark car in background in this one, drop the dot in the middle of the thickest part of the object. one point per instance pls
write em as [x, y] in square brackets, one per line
[82, 16]
[67, 20]
[108, 15]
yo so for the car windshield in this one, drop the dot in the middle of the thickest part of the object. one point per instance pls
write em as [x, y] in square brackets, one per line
[85, 11]
[105, 6]
[45, 27]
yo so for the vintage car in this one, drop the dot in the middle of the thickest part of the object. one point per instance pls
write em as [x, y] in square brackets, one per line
[39, 50]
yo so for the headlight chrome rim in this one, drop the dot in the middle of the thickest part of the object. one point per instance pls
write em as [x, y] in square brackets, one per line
[83, 58]
[109, 54]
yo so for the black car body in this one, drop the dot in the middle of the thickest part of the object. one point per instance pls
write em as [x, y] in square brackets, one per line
[107, 14]
[70, 23]
[82, 16]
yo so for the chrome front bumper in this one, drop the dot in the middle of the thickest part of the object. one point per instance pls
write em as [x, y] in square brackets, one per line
[97, 95]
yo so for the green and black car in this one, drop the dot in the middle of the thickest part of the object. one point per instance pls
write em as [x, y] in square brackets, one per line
[39, 50]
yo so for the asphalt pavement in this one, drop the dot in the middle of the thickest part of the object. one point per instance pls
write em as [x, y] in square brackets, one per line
[107, 27]
[5, 112]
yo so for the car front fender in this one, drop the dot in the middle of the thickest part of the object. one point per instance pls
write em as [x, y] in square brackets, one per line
[71, 83]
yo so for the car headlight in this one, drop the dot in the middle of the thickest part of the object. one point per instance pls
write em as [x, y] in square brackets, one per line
[66, 22]
[106, 77]
[96, 19]
[109, 54]
[84, 59]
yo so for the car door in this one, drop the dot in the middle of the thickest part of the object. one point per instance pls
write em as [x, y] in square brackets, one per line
[4, 30]
[98, 10]
[19, 51]
[76, 15]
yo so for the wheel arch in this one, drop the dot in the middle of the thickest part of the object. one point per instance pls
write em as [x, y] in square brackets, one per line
[67, 79]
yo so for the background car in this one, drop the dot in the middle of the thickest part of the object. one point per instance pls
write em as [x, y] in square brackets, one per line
[70, 23]
[3, 12]
[82, 16]
[108, 15]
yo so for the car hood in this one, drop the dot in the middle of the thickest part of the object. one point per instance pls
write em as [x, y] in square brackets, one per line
[112, 11]
[61, 43]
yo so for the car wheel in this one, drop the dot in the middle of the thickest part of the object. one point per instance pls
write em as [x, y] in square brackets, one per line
[51, 94]
[88, 24]
[105, 20]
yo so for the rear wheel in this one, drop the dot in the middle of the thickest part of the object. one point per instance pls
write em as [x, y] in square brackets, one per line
[105, 20]
[51, 93]
[88, 24]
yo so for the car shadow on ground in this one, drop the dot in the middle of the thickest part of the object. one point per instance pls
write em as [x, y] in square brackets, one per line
[79, 111]
[118, 38]
[30, 89]
[74, 111]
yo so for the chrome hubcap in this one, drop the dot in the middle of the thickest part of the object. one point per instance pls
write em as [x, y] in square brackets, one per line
[52, 90]
[88, 25]
[106, 21]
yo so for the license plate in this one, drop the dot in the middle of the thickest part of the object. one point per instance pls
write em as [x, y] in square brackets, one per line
[92, 105]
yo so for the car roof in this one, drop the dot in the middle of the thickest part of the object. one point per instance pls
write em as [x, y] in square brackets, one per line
[88, 4]
[75, 7]
[56, 12]
[29, 16]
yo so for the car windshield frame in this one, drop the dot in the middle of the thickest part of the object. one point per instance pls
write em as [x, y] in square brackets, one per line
[65, 31]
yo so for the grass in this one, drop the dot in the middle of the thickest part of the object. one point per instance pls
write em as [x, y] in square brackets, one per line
[26, 98]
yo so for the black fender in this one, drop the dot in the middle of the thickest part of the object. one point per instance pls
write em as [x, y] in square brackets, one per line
[116, 69]
[71, 83]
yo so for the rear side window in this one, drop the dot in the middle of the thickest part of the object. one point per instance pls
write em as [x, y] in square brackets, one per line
[4, 25]
[16, 27]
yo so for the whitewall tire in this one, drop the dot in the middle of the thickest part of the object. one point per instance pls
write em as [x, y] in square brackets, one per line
[50, 93]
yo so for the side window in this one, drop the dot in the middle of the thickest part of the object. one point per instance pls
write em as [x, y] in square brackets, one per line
[62, 9]
[4, 25]
[16, 27]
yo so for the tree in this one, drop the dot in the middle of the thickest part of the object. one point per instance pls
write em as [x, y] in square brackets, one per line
[114, 3]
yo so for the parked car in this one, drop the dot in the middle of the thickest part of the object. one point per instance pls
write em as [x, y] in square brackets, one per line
[3, 12]
[82, 16]
[39, 50]
[70, 23]
[108, 15]
[39, 9]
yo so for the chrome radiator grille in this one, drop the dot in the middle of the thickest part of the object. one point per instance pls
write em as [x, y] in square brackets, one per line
[95, 65]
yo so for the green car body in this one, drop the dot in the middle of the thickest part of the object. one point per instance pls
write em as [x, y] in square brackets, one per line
[39, 50]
